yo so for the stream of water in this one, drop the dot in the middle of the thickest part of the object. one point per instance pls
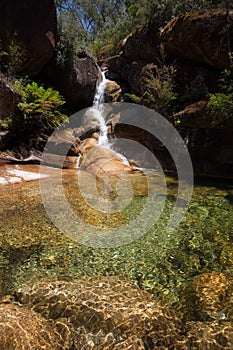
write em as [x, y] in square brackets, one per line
[32, 247]
[98, 109]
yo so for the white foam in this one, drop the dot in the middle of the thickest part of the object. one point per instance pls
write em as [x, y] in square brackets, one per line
[3, 181]
[98, 109]
[26, 175]
[14, 180]
[78, 162]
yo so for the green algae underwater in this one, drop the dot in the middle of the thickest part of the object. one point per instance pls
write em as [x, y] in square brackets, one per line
[160, 263]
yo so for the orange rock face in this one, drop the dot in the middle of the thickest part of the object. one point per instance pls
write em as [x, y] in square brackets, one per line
[200, 38]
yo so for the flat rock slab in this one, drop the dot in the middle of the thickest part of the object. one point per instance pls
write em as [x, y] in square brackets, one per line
[14, 174]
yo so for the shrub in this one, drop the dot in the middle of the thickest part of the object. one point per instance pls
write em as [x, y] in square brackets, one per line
[4, 123]
[159, 93]
[39, 110]
[11, 58]
[221, 103]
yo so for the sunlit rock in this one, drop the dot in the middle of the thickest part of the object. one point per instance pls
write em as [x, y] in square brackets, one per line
[200, 38]
[23, 329]
[103, 311]
[112, 91]
[214, 335]
[207, 297]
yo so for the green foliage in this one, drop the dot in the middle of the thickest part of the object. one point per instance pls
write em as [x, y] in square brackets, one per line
[145, 12]
[11, 58]
[72, 36]
[40, 109]
[111, 37]
[221, 103]
[159, 93]
[94, 24]
[4, 123]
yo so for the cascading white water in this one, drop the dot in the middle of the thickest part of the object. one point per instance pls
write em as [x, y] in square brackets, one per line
[98, 110]
[98, 107]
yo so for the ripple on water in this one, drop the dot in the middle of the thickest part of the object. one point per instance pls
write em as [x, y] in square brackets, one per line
[158, 262]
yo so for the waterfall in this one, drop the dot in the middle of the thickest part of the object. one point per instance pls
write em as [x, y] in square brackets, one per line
[98, 108]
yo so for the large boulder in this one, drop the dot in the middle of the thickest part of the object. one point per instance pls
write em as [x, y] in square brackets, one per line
[140, 47]
[8, 100]
[103, 312]
[204, 38]
[142, 44]
[101, 161]
[31, 27]
[76, 79]
[22, 329]
[106, 166]
[207, 297]
[137, 75]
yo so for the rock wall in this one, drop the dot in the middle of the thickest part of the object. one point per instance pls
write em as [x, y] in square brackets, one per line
[75, 79]
[205, 38]
[198, 44]
[8, 100]
[33, 26]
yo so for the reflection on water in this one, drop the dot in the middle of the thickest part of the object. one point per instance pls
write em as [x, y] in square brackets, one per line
[31, 246]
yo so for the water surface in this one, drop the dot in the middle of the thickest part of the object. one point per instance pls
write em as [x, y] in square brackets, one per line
[159, 262]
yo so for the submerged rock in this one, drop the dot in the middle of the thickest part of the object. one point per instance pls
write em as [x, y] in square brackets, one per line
[102, 313]
[207, 335]
[207, 297]
[23, 329]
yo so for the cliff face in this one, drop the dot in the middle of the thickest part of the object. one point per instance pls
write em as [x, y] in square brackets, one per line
[199, 46]
[28, 33]
[205, 38]
[76, 79]
[32, 26]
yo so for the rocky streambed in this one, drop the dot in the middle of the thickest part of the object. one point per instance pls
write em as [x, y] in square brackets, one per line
[160, 290]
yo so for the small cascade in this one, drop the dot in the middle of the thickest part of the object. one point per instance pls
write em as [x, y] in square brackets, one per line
[98, 111]
[78, 162]
[98, 108]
